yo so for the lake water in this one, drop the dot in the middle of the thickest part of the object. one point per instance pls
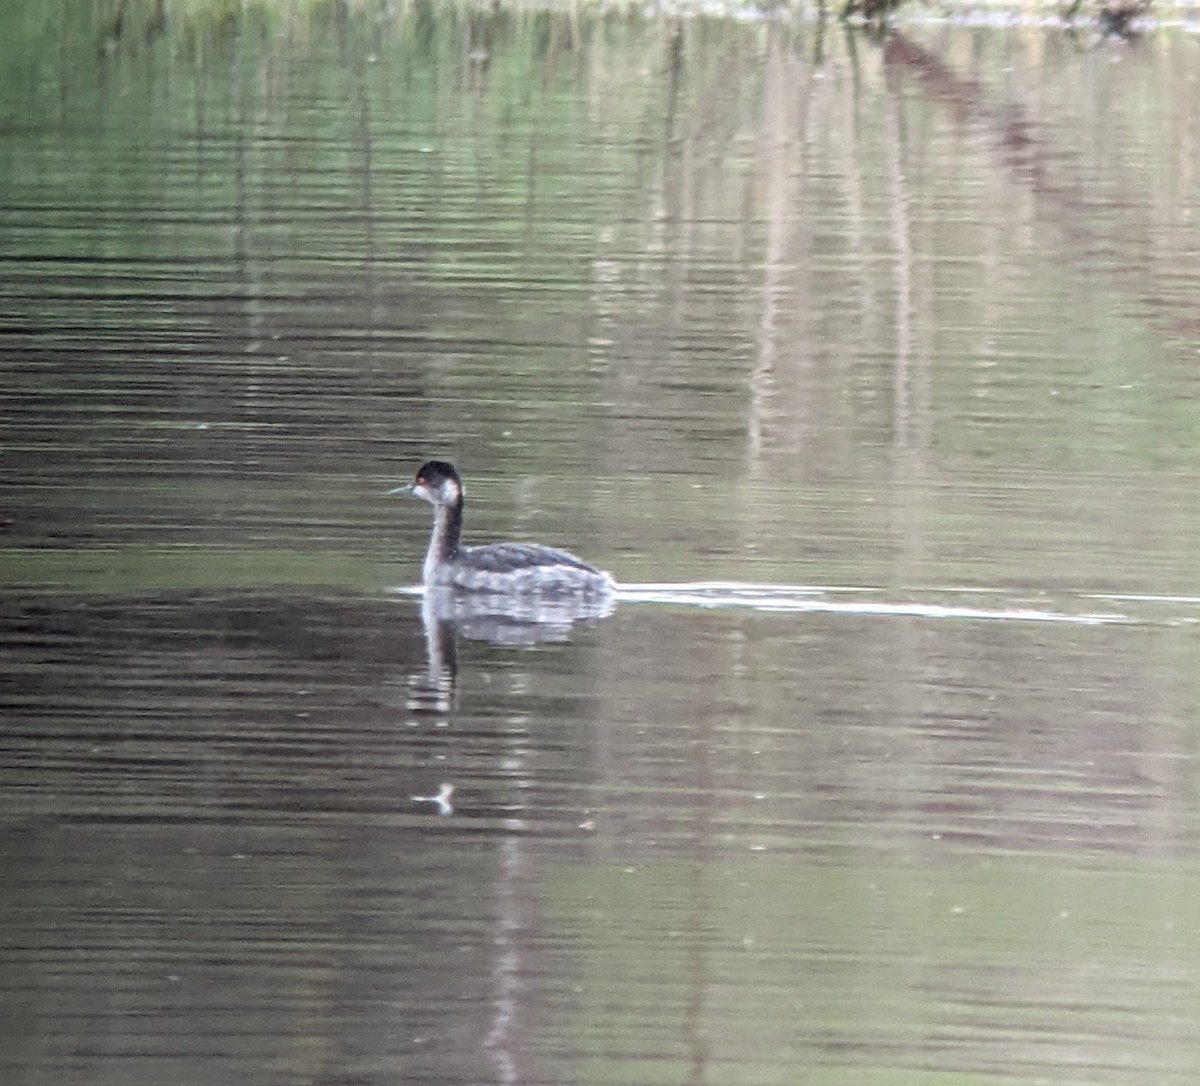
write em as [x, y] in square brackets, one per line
[868, 367]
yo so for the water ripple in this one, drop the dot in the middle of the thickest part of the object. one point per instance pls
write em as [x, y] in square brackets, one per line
[862, 601]
[801, 599]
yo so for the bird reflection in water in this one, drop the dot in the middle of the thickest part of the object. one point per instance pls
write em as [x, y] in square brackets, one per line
[501, 619]
[519, 620]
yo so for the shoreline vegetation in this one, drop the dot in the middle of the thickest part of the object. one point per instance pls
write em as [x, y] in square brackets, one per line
[124, 27]
[121, 20]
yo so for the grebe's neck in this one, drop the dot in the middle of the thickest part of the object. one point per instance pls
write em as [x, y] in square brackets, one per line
[444, 541]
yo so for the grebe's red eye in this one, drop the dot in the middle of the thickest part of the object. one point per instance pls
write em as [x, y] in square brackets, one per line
[421, 480]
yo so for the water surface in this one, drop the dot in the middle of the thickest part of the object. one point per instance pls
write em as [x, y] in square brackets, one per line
[866, 366]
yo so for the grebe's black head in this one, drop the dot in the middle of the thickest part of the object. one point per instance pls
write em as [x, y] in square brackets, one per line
[437, 482]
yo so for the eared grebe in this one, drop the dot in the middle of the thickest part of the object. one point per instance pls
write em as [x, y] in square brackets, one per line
[501, 568]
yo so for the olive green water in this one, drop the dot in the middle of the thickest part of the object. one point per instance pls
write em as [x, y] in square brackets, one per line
[890, 343]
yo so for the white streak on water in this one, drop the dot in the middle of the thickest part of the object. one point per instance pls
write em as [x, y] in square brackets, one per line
[801, 599]
[1134, 597]
[811, 598]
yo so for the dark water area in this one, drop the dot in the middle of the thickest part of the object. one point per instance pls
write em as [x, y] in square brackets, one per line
[866, 365]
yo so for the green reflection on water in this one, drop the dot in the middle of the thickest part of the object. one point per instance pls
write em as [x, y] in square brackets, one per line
[777, 968]
[655, 248]
[134, 569]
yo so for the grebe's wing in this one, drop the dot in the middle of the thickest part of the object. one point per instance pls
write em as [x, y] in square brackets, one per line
[507, 557]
